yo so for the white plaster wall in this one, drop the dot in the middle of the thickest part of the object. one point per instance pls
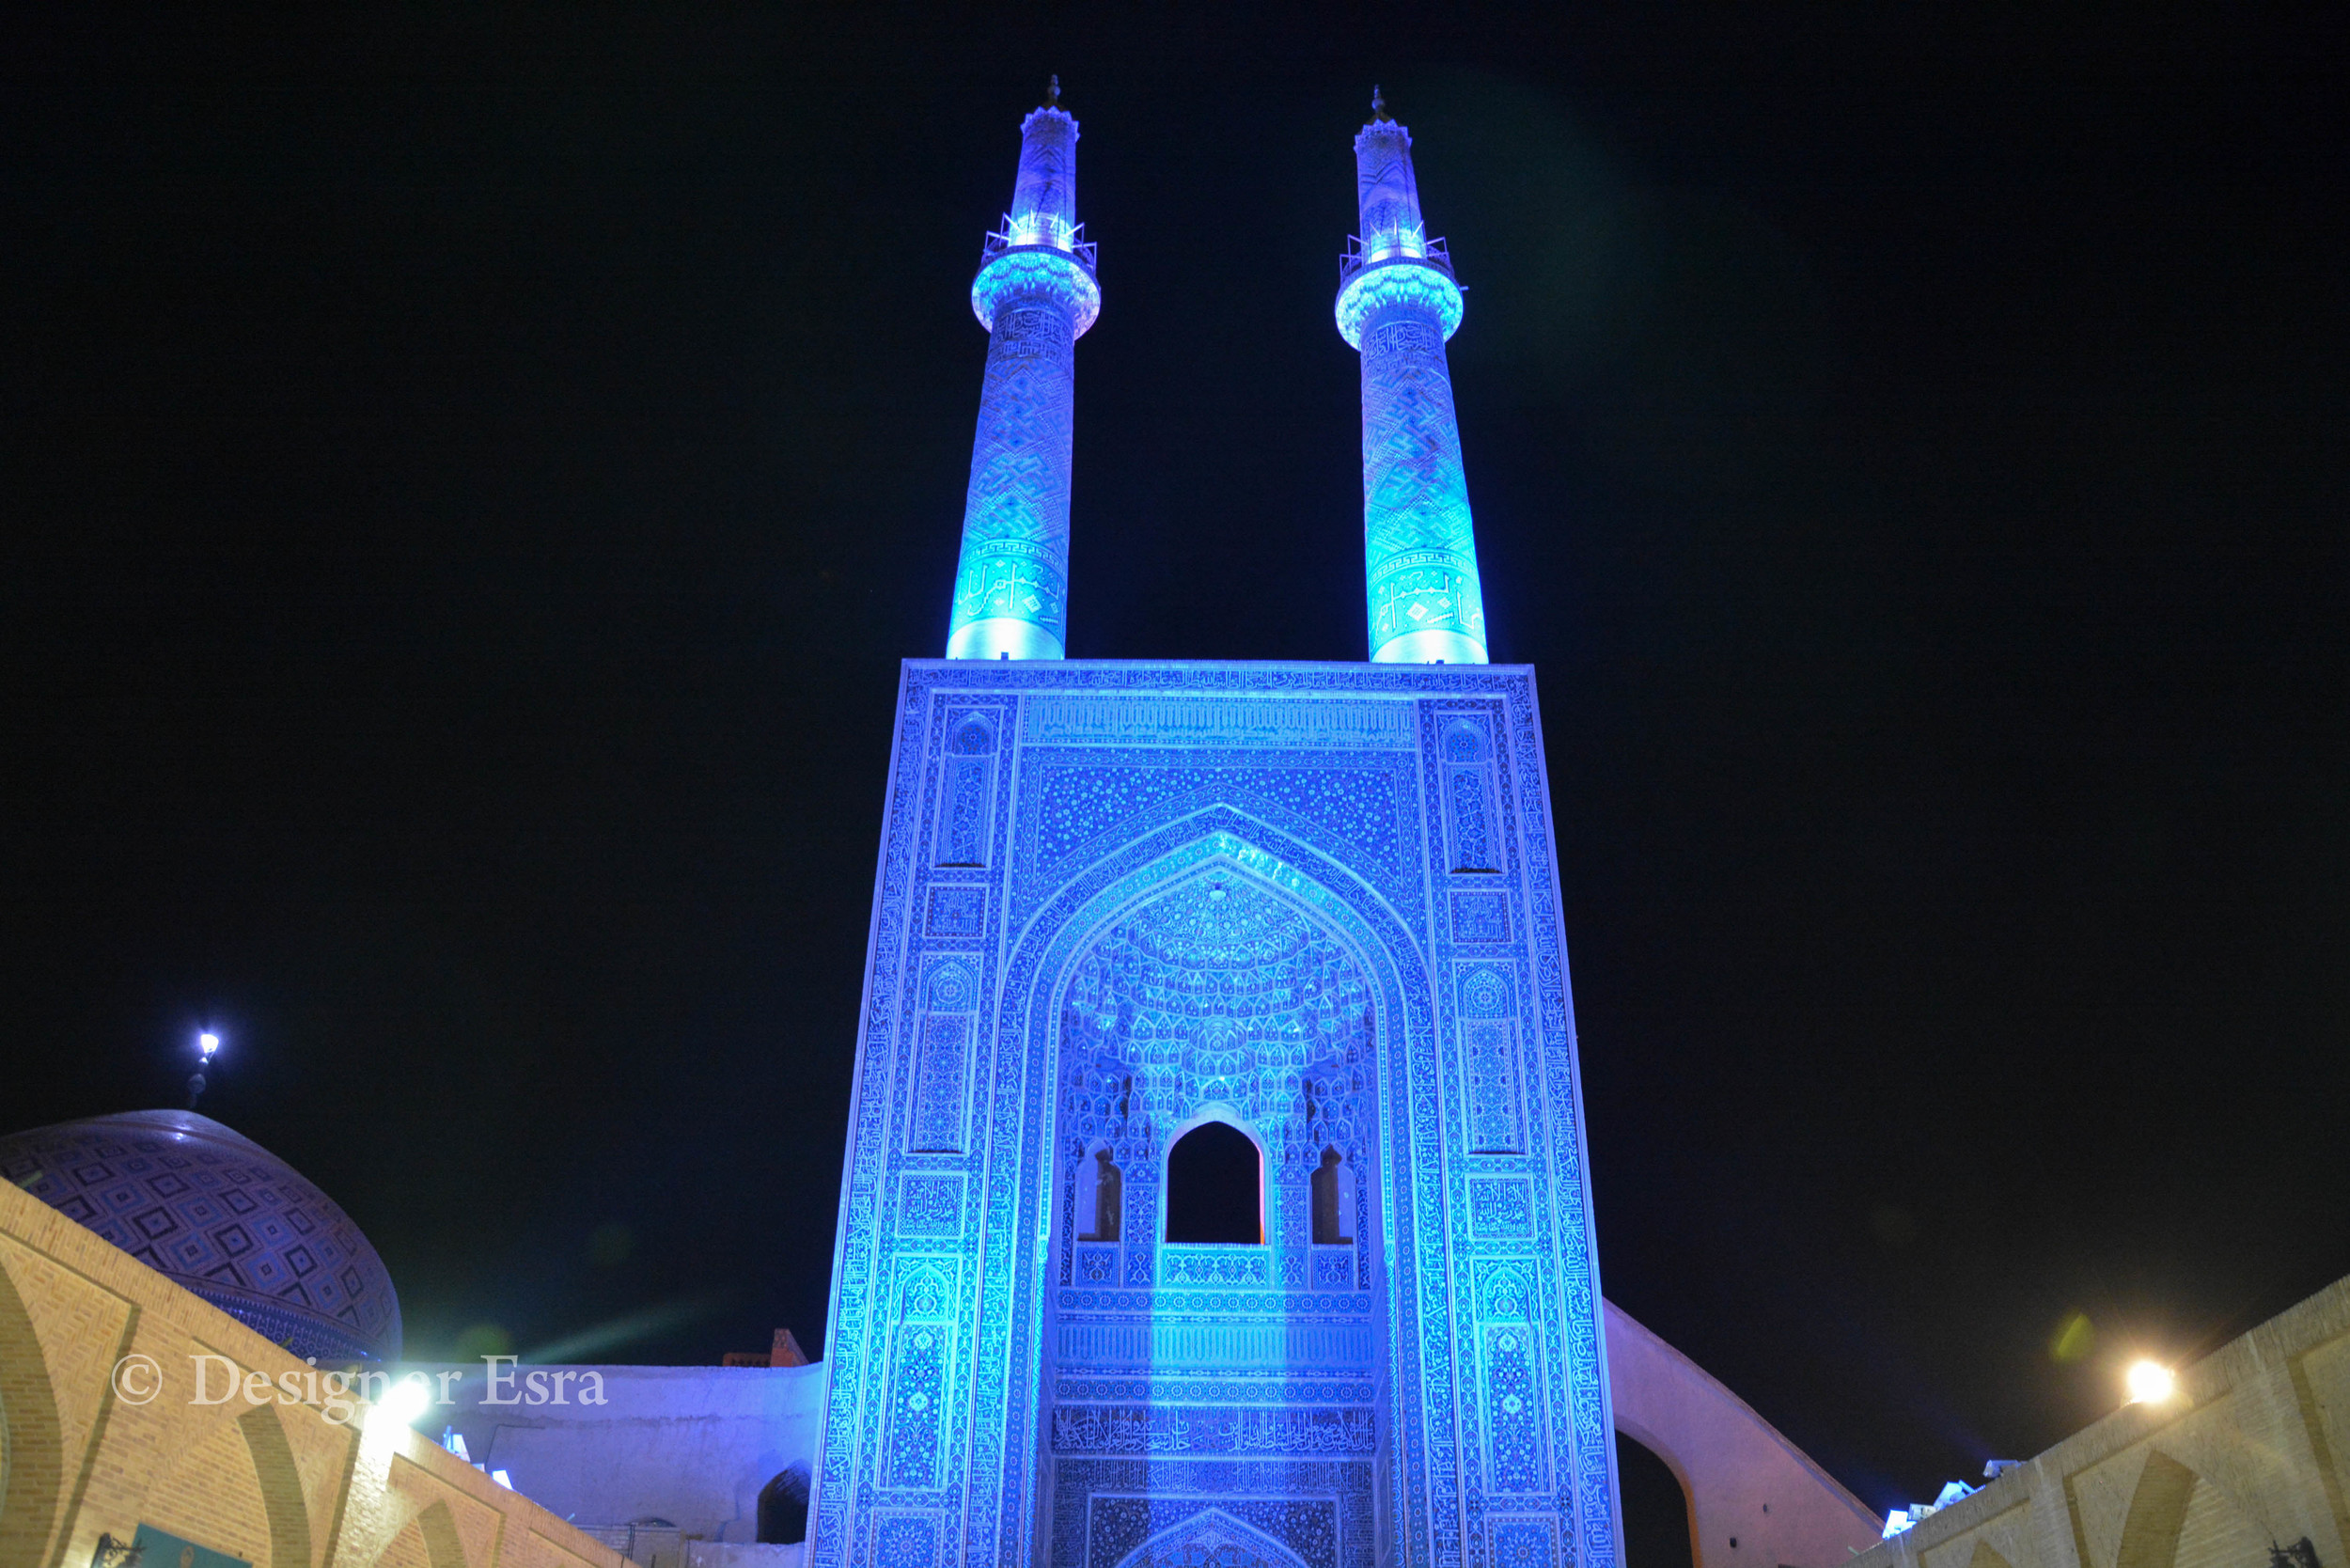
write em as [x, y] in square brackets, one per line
[692, 1445]
[1747, 1483]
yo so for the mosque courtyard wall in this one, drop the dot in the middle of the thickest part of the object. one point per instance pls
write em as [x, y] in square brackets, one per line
[100, 1434]
[2241, 1467]
[689, 1447]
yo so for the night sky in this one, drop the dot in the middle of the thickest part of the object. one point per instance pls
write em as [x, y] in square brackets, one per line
[468, 480]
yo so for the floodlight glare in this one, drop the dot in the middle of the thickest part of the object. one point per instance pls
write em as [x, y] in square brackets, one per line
[208, 1043]
[405, 1399]
[2150, 1382]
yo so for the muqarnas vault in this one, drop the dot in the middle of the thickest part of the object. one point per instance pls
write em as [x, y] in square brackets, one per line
[1215, 1190]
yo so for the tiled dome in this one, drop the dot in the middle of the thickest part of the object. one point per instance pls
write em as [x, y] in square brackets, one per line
[222, 1217]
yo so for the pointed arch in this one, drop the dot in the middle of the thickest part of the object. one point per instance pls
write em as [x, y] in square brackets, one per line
[1328, 897]
[439, 1528]
[1052, 929]
[1213, 1536]
[1214, 1185]
[1332, 1203]
[1092, 905]
[282, 1501]
[2149, 1533]
[31, 1465]
[783, 1506]
[1100, 1193]
[433, 1528]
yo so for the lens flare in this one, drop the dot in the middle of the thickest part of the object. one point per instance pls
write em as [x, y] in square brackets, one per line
[2151, 1383]
[405, 1399]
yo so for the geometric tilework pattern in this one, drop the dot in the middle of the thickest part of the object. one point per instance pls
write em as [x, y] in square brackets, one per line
[1397, 303]
[222, 1217]
[1419, 541]
[1222, 891]
[1015, 521]
[1036, 294]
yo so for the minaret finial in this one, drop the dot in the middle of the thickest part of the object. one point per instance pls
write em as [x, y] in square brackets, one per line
[1378, 104]
[1052, 96]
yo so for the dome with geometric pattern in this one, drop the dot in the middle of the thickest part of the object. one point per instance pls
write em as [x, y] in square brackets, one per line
[224, 1218]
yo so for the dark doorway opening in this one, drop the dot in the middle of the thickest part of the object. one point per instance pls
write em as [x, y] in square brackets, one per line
[783, 1508]
[1656, 1521]
[1214, 1187]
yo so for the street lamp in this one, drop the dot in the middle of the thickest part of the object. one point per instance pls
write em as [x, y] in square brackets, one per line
[207, 1042]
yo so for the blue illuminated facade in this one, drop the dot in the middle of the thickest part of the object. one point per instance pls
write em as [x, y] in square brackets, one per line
[1312, 904]
[1036, 295]
[1398, 305]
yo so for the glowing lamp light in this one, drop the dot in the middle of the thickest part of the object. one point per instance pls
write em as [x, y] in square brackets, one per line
[2151, 1383]
[208, 1043]
[404, 1400]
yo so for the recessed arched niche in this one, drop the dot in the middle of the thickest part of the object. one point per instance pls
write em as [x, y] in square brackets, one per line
[1332, 1187]
[1100, 1193]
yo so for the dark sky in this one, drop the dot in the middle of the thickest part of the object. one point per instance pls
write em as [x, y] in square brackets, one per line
[469, 477]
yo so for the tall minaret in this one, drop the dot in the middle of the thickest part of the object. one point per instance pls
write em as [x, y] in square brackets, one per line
[1398, 304]
[1036, 296]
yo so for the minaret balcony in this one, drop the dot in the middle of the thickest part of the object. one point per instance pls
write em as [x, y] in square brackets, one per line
[1370, 280]
[1016, 259]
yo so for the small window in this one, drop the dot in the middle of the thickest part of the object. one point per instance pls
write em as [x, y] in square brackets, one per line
[1101, 1196]
[1334, 1201]
[1215, 1187]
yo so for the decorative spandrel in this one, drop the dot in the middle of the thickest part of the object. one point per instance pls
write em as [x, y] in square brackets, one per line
[1314, 904]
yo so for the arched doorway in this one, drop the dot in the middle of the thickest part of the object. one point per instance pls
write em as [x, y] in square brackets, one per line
[1214, 1346]
[783, 1508]
[1658, 1520]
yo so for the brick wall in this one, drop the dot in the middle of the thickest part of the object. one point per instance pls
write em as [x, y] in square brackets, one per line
[273, 1480]
[2249, 1452]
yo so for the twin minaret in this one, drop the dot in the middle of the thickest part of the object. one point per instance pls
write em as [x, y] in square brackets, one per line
[1398, 304]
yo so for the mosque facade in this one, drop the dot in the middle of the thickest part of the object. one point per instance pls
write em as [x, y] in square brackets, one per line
[1215, 1195]
[1216, 1187]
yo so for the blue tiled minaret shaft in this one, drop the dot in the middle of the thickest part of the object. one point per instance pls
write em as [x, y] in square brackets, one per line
[1036, 295]
[1398, 304]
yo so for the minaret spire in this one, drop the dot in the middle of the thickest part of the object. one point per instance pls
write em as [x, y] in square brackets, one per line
[1398, 304]
[1036, 295]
